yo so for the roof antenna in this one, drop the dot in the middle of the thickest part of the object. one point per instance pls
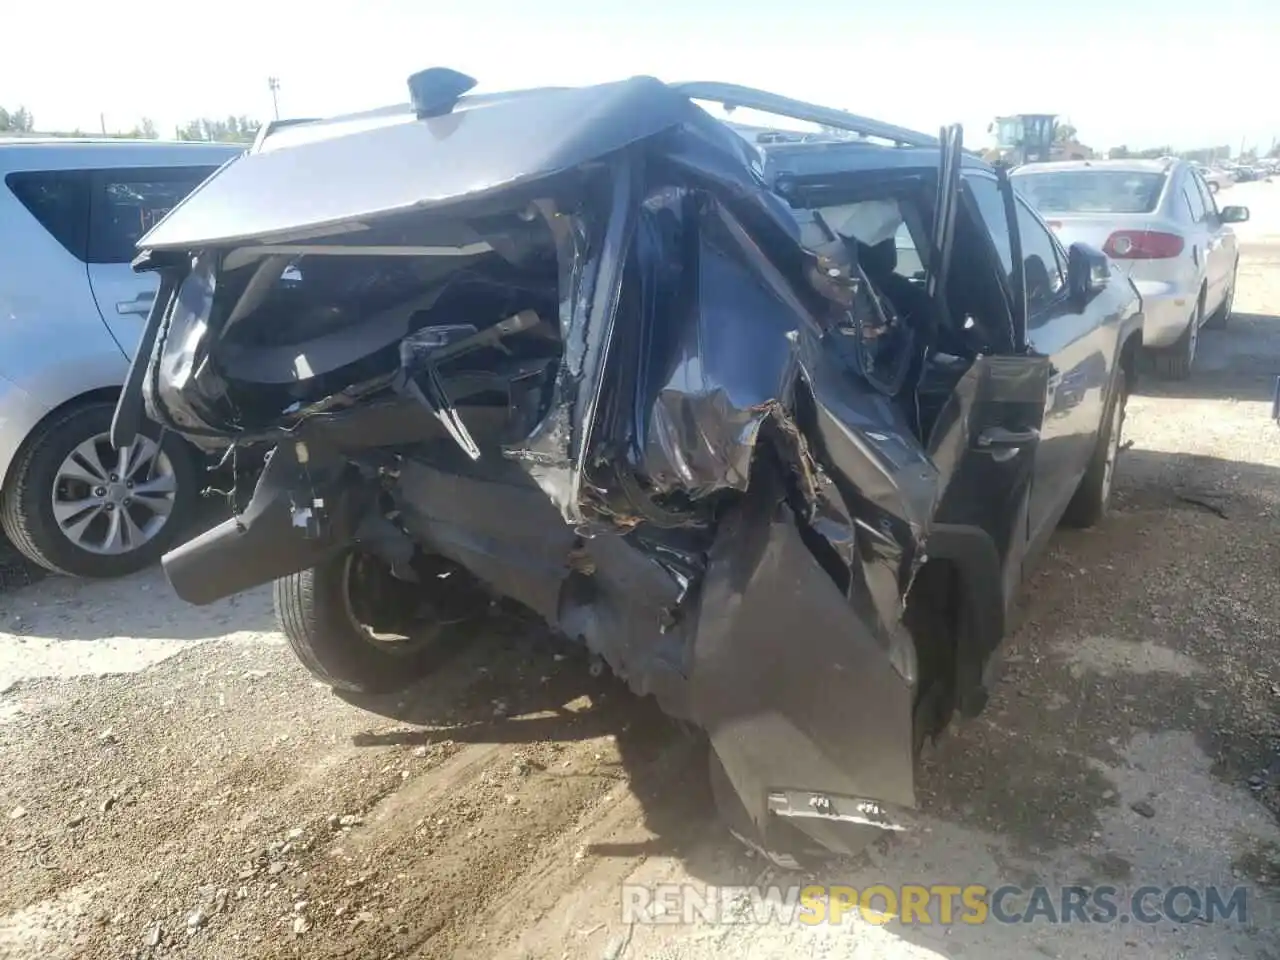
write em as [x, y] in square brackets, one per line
[435, 91]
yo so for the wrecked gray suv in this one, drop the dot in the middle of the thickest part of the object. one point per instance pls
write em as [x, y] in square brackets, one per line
[772, 424]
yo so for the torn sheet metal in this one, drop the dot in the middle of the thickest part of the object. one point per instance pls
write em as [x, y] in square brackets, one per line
[719, 357]
[818, 705]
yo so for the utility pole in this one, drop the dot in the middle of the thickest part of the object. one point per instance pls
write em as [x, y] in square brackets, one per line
[273, 84]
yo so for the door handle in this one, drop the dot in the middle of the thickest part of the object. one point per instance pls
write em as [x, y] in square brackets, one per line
[998, 438]
[139, 306]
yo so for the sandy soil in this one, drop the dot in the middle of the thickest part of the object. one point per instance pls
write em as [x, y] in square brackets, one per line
[172, 783]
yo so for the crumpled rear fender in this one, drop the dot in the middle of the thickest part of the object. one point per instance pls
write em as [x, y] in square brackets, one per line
[789, 679]
[719, 384]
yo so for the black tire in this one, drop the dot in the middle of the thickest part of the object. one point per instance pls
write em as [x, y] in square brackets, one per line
[1092, 498]
[323, 612]
[1222, 316]
[1175, 362]
[26, 504]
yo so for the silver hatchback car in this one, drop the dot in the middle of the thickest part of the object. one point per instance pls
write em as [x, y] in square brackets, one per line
[1160, 224]
[71, 212]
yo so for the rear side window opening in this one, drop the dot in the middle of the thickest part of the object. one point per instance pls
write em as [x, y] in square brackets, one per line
[1093, 191]
[59, 200]
[98, 216]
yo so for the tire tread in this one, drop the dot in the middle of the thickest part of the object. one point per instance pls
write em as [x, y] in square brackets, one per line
[1087, 506]
[312, 616]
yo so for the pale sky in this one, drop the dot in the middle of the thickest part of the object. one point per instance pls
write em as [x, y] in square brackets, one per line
[1186, 72]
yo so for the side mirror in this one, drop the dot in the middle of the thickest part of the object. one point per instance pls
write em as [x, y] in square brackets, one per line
[1234, 214]
[1088, 272]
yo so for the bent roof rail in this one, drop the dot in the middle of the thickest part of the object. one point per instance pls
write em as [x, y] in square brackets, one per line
[733, 95]
[726, 94]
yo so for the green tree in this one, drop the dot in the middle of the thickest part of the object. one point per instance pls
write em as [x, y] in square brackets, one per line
[231, 130]
[1065, 133]
[16, 121]
[146, 130]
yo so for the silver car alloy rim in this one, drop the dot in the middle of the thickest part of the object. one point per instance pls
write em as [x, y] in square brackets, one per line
[109, 502]
[1113, 449]
[1196, 317]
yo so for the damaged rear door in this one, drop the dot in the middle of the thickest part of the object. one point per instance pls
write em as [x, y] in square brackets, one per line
[986, 443]
[805, 674]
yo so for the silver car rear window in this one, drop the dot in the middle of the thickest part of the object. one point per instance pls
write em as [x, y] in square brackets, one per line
[1093, 191]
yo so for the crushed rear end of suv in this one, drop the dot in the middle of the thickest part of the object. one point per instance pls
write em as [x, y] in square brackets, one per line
[599, 352]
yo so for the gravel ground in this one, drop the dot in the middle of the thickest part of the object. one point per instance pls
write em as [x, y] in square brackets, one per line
[15, 569]
[172, 783]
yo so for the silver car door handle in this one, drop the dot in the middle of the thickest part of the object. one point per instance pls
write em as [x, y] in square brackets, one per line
[1003, 445]
[995, 438]
[139, 306]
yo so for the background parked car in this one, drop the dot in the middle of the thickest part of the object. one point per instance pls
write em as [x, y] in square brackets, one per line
[1160, 224]
[1215, 180]
[70, 214]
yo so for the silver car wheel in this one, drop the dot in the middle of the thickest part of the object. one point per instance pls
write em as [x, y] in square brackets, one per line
[109, 502]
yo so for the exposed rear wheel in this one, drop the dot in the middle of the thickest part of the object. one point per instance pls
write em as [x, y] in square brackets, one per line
[359, 629]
